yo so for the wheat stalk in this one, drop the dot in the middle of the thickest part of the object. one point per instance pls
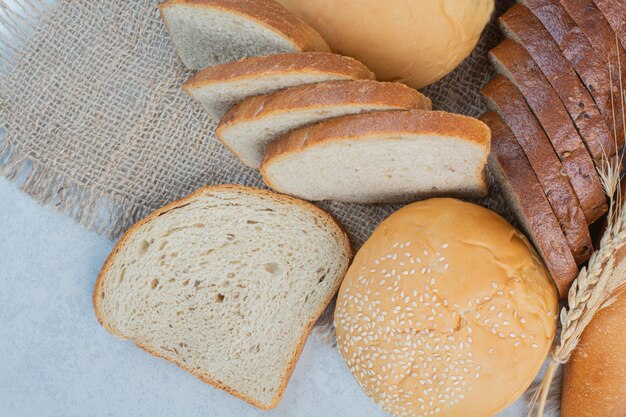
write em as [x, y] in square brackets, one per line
[598, 284]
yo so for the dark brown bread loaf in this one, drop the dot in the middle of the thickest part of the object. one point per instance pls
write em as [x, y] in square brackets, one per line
[591, 66]
[595, 376]
[514, 62]
[506, 100]
[520, 24]
[521, 189]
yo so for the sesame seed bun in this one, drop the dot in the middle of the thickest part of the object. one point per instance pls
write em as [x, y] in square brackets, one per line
[447, 310]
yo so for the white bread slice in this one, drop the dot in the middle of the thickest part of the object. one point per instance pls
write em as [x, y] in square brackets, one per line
[250, 126]
[219, 87]
[227, 284]
[209, 32]
[382, 157]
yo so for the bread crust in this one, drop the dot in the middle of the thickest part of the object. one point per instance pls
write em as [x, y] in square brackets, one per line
[515, 63]
[506, 100]
[306, 62]
[181, 203]
[614, 12]
[363, 126]
[595, 376]
[590, 63]
[267, 13]
[330, 93]
[520, 24]
[543, 227]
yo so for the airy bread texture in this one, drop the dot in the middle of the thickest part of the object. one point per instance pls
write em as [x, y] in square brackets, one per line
[416, 42]
[219, 87]
[209, 32]
[446, 311]
[227, 284]
[393, 156]
[250, 126]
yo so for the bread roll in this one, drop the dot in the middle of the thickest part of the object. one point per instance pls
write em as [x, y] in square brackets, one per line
[416, 42]
[595, 376]
[447, 310]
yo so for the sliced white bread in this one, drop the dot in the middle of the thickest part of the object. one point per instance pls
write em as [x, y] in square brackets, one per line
[219, 87]
[382, 157]
[250, 126]
[227, 284]
[209, 32]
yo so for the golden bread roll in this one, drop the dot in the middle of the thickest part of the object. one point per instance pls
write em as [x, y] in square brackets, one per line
[595, 376]
[447, 310]
[416, 42]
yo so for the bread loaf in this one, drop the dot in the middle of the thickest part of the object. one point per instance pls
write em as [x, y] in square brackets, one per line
[519, 185]
[217, 88]
[392, 156]
[503, 98]
[514, 62]
[519, 24]
[209, 32]
[595, 376]
[615, 13]
[251, 125]
[415, 42]
[447, 310]
[225, 283]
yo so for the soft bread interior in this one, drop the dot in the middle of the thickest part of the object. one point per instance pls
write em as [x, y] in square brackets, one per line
[217, 98]
[227, 286]
[249, 139]
[205, 36]
[380, 168]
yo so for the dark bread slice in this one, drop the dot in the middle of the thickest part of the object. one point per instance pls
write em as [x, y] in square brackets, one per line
[506, 100]
[514, 62]
[519, 24]
[614, 12]
[591, 66]
[521, 189]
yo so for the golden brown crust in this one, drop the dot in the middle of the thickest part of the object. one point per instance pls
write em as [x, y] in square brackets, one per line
[506, 100]
[514, 62]
[267, 13]
[182, 202]
[520, 24]
[509, 159]
[331, 93]
[595, 376]
[365, 125]
[615, 13]
[308, 62]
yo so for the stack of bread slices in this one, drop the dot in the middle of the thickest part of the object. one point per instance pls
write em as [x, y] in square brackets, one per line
[551, 112]
[318, 125]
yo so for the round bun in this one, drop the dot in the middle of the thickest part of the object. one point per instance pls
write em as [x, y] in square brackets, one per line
[447, 310]
[416, 42]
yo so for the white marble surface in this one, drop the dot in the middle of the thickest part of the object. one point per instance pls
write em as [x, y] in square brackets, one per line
[55, 359]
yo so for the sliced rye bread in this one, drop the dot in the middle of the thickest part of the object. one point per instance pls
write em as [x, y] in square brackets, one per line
[209, 32]
[382, 157]
[251, 125]
[506, 100]
[225, 283]
[614, 12]
[591, 66]
[519, 24]
[514, 62]
[518, 182]
[218, 88]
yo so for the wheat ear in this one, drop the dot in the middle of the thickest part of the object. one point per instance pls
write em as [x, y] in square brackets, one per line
[598, 284]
